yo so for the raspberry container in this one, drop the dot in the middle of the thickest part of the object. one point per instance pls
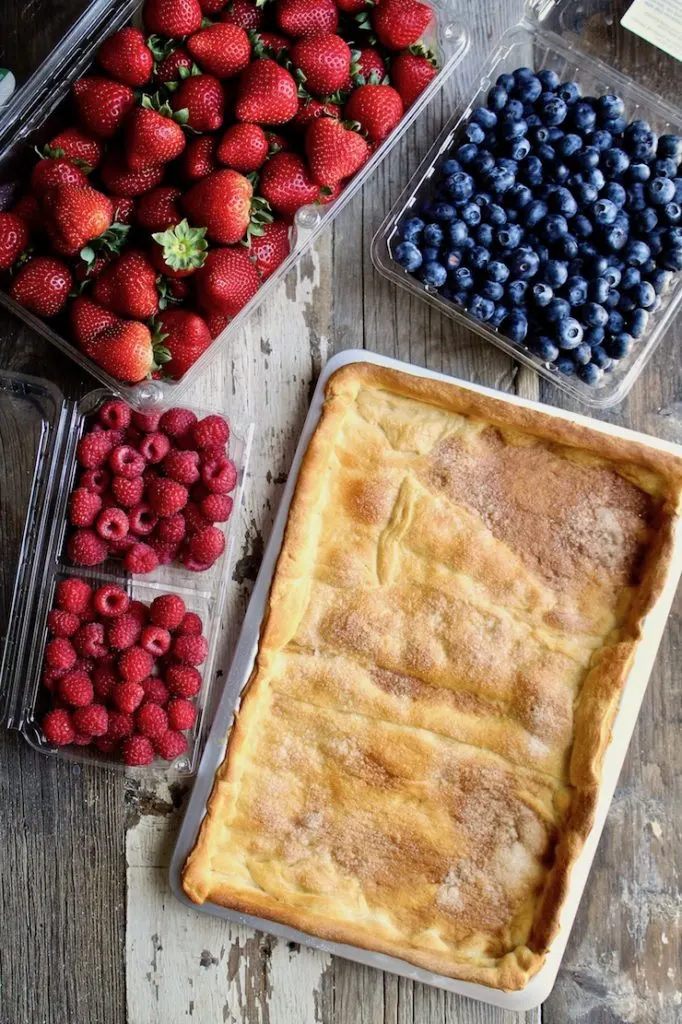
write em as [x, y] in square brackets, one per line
[39, 433]
[571, 39]
[37, 111]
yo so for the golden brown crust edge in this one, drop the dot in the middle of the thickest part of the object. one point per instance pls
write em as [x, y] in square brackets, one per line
[600, 695]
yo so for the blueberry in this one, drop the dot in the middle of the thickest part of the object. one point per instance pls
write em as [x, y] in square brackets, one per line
[645, 220]
[492, 290]
[545, 348]
[497, 271]
[557, 310]
[637, 253]
[562, 201]
[512, 216]
[412, 229]
[429, 253]
[660, 191]
[552, 108]
[587, 158]
[585, 193]
[569, 333]
[582, 354]
[460, 186]
[481, 308]
[486, 118]
[495, 214]
[601, 139]
[519, 196]
[433, 273]
[639, 172]
[529, 90]
[531, 170]
[610, 106]
[408, 256]
[569, 145]
[590, 374]
[600, 358]
[485, 235]
[661, 279]
[555, 273]
[670, 146]
[516, 326]
[532, 119]
[638, 322]
[536, 211]
[433, 235]
[567, 247]
[540, 134]
[619, 346]
[497, 98]
[501, 179]
[630, 279]
[594, 336]
[612, 299]
[615, 192]
[519, 150]
[582, 226]
[546, 153]
[595, 177]
[627, 304]
[516, 292]
[474, 133]
[484, 161]
[549, 79]
[644, 295]
[554, 227]
[569, 92]
[644, 146]
[664, 168]
[449, 167]
[506, 82]
[542, 294]
[674, 237]
[462, 279]
[594, 314]
[459, 298]
[595, 264]
[453, 259]
[541, 250]
[598, 290]
[583, 117]
[614, 162]
[458, 232]
[648, 267]
[508, 164]
[616, 236]
[565, 365]
[499, 315]
[576, 290]
[614, 125]
[470, 214]
[467, 153]
[522, 75]
[672, 213]
[604, 211]
[613, 276]
[509, 236]
[478, 257]
[482, 199]
[513, 111]
[525, 263]
[636, 197]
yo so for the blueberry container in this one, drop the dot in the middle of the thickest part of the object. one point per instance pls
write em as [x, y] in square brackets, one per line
[574, 40]
[39, 433]
[38, 110]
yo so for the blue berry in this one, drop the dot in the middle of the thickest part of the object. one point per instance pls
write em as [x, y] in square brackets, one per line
[552, 108]
[467, 153]
[546, 153]
[509, 236]
[639, 172]
[664, 168]
[600, 358]
[429, 253]
[549, 79]
[672, 213]
[660, 191]
[497, 271]
[583, 117]
[460, 185]
[408, 256]
[569, 92]
[412, 229]
[645, 295]
[492, 290]
[486, 118]
[536, 211]
[615, 192]
[506, 82]
[576, 290]
[569, 333]
[453, 259]
[485, 235]
[594, 314]
[516, 326]
[645, 220]
[497, 98]
[444, 211]
[590, 374]
[594, 336]
[458, 232]
[525, 263]
[462, 279]
[474, 133]
[604, 211]
[495, 215]
[554, 227]
[585, 193]
[513, 111]
[500, 314]
[484, 161]
[563, 202]
[636, 196]
[471, 214]
[670, 146]
[433, 273]
[619, 346]
[433, 235]
[557, 310]
[514, 130]
[582, 226]
[627, 304]
[661, 279]
[598, 290]
[516, 292]
[556, 273]
[561, 174]
[610, 106]
[586, 159]
[567, 247]
[542, 294]
[519, 196]
[616, 236]
[531, 170]
[601, 139]
[614, 125]
[569, 145]
[643, 146]
[613, 276]
[449, 167]
[529, 90]
[638, 322]
[614, 162]
[637, 253]
[582, 354]
[565, 365]
[501, 179]
[596, 265]
[545, 348]
[481, 308]
[478, 257]
[612, 299]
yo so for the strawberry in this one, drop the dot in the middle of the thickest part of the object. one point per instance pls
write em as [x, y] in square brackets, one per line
[227, 281]
[244, 13]
[352, 6]
[369, 67]
[222, 204]
[286, 183]
[152, 137]
[88, 319]
[266, 94]
[102, 104]
[158, 210]
[270, 248]
[172, 17]
[170, 65]
[334, 152]
[203, 98]
[243, 147]
[123, 350]
[198, 160]
[52, 171]
[299, 18]
[180, 250]
[323, 61]
[269, 44]
[411, 73]
[126, 57]
[210, 7]
[123, 210]
[121, 181]
[74, 145]
[216, 323]
[400, 23]
[42, 285]
[309, 110]
[186, 337]
[75, 215]
[128, 286]
[222, 50]
[376, 108]
[14, 238]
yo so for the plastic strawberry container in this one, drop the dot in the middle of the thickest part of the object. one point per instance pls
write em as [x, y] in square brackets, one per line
[572, 39]
[39, 433]
[38, 110]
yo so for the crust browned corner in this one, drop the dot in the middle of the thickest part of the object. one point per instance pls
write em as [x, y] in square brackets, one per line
[360, 744]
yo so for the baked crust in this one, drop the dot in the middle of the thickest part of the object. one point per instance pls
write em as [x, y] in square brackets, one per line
[416, 761]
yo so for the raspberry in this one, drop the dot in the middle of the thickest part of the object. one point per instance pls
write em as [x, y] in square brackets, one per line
[112, 524]
[182, 466]
[137, 750]
[216, 451]
[139, 610]
[217, 508]
[154, 690]
[166, 496]
[61, 623]
[177, 422]
[194, 521]
[104, 679]
[170, 745]
[155, 640]
[80, 739]
[95, 480]
[149, 475]
[125, 461]
[219, 477]
[142, 519]
[141, 558]
[151, 720]
[120, 725]
[166, 553]
[127, 697]
[210, 431]
[191, 625]
[183, 680]
[167, 610]
[154, 446]
[94, 448]
[146, 421]
[110, 601]
[124, 631]
[75, 688]
[60, 653]
[83, 507]
[73, 595]
[135, 664]
[171, 530]
[93, 720]
[127, 492]
[89, 640]
[115, 414]
[105, 745]
[84, 547]
[182, 714]
[57, 728]
[50, 676]
[207, 545]
[191, 650]
[118, 548]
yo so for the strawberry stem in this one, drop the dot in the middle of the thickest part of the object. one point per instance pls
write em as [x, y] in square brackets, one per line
[184, 247]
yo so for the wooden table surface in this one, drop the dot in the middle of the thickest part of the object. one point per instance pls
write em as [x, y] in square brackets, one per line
[89, 932]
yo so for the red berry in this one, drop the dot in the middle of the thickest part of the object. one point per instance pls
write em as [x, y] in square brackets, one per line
[115, 414]
[95, 480]
[211, 430]
[125, 461]
[104, 679]
[127, 696]
[84, 547]
[167, 610]
[75, 688]
[142, 519]
[182, 714]
[50, 676]
[194, 521]
[92, 721]
[139, 611]
[73, 595]
[177, 422]
[207, 545]
[112, 524]
[89, 640]
[155, 640]
[151, 720]
[191, 650]
[166, 496]
[121, 724]
[220, 477]
[183, 680]
[127, 492]
[141, 558]
[135, 664]
[171, 530]
[191, 624]
[137, 750]
[216, 508]
[84, 506]
[57, 728]
[61, 623]
[124, 631]
[154, 446]
[170, 745]
[154, 690]
[166, 553]
[146, 421]
[60, 653]
[110, 601]
[182, 466]
[94, 448]
[80, 739]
